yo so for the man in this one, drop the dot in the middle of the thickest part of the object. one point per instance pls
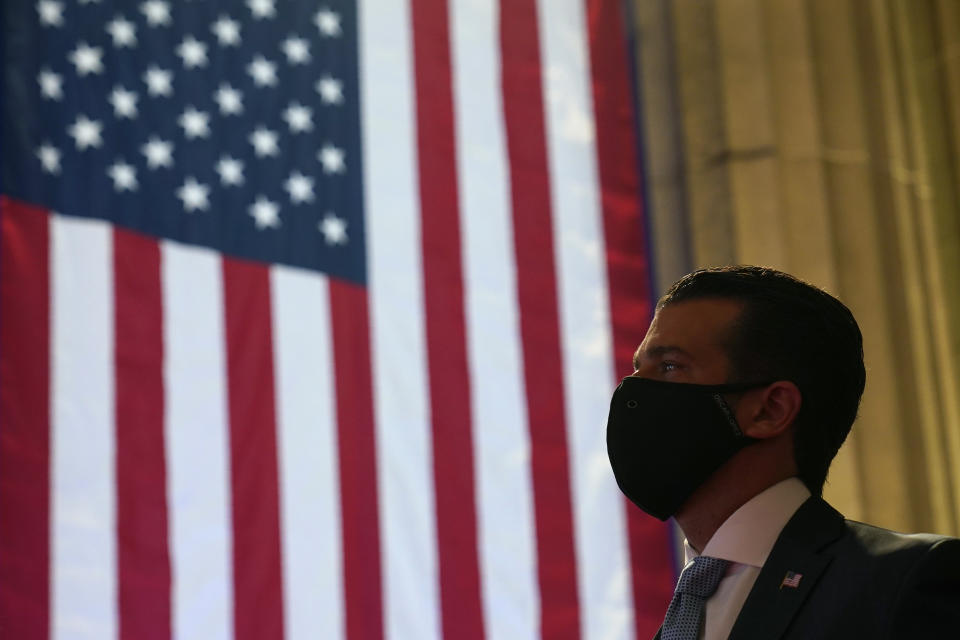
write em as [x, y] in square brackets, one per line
[745, 386]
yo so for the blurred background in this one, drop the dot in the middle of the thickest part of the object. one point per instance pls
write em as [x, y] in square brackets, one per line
[311, 310]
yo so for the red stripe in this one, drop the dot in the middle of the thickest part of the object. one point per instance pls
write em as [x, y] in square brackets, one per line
[258, 585]
[461, 609]
[143, 562]
[24, 421]
[350, 324]
[628, 278]
[539, 324]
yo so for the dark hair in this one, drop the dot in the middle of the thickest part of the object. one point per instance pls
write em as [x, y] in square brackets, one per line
[791, 330]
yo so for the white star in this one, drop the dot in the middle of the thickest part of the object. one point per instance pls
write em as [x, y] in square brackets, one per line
[124, 103]
[328, 22]
[87, 59]
[86, 132]
[196, 124]
[230, 170]
[159, 153]
[122, 31]
[300, 188]
[264, 142]
[262, 8]
[229, 100]
[124, 176]
[49, 157]
[263, 72]
[51, 84]
[194, 195]
[331, 158]
[265, 213]
[334, 229]
[227, 31]
[159, 81]
[192, 52]
[297, 50]
[157, 12]
[330, 90]
[298, 117]
[51, 13]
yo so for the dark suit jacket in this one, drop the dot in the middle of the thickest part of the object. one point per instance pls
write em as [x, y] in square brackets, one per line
[858, 581]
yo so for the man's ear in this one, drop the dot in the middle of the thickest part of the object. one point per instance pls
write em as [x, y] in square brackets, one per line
[769, 411]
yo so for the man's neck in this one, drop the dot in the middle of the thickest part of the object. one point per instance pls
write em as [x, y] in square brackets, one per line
[744, 476]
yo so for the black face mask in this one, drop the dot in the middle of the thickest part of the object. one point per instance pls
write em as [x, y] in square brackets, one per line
[664, 439]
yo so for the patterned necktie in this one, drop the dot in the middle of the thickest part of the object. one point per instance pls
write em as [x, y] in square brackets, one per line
[697, 582]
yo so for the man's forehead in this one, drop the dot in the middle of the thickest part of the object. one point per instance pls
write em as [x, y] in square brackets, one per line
[688, 323]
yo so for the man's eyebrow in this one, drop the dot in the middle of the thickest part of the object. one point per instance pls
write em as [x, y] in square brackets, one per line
[659, 352]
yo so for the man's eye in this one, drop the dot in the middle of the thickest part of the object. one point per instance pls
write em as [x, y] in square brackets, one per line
[666, 367]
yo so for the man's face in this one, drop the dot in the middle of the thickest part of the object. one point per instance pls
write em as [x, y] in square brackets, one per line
[686, 342]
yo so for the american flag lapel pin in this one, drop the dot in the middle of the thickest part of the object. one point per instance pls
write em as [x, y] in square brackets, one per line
[791, 580]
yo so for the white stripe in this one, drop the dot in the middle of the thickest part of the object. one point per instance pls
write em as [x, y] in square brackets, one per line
[507, 536]
[309, 478]
[603, 567]
[83, 511]
[197, 445]
[404, 461]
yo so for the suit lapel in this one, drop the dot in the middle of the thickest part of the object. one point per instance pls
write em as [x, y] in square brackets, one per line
[800, 555]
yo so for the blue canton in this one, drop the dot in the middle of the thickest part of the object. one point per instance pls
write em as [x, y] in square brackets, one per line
[230, 125]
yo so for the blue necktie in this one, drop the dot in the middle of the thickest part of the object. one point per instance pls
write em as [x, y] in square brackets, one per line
[697, 583]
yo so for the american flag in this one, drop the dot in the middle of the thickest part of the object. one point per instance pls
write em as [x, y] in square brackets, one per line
[791, 580]
[310, 312]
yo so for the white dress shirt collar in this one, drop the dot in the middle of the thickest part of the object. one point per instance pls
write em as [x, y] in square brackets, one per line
[748, 535]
